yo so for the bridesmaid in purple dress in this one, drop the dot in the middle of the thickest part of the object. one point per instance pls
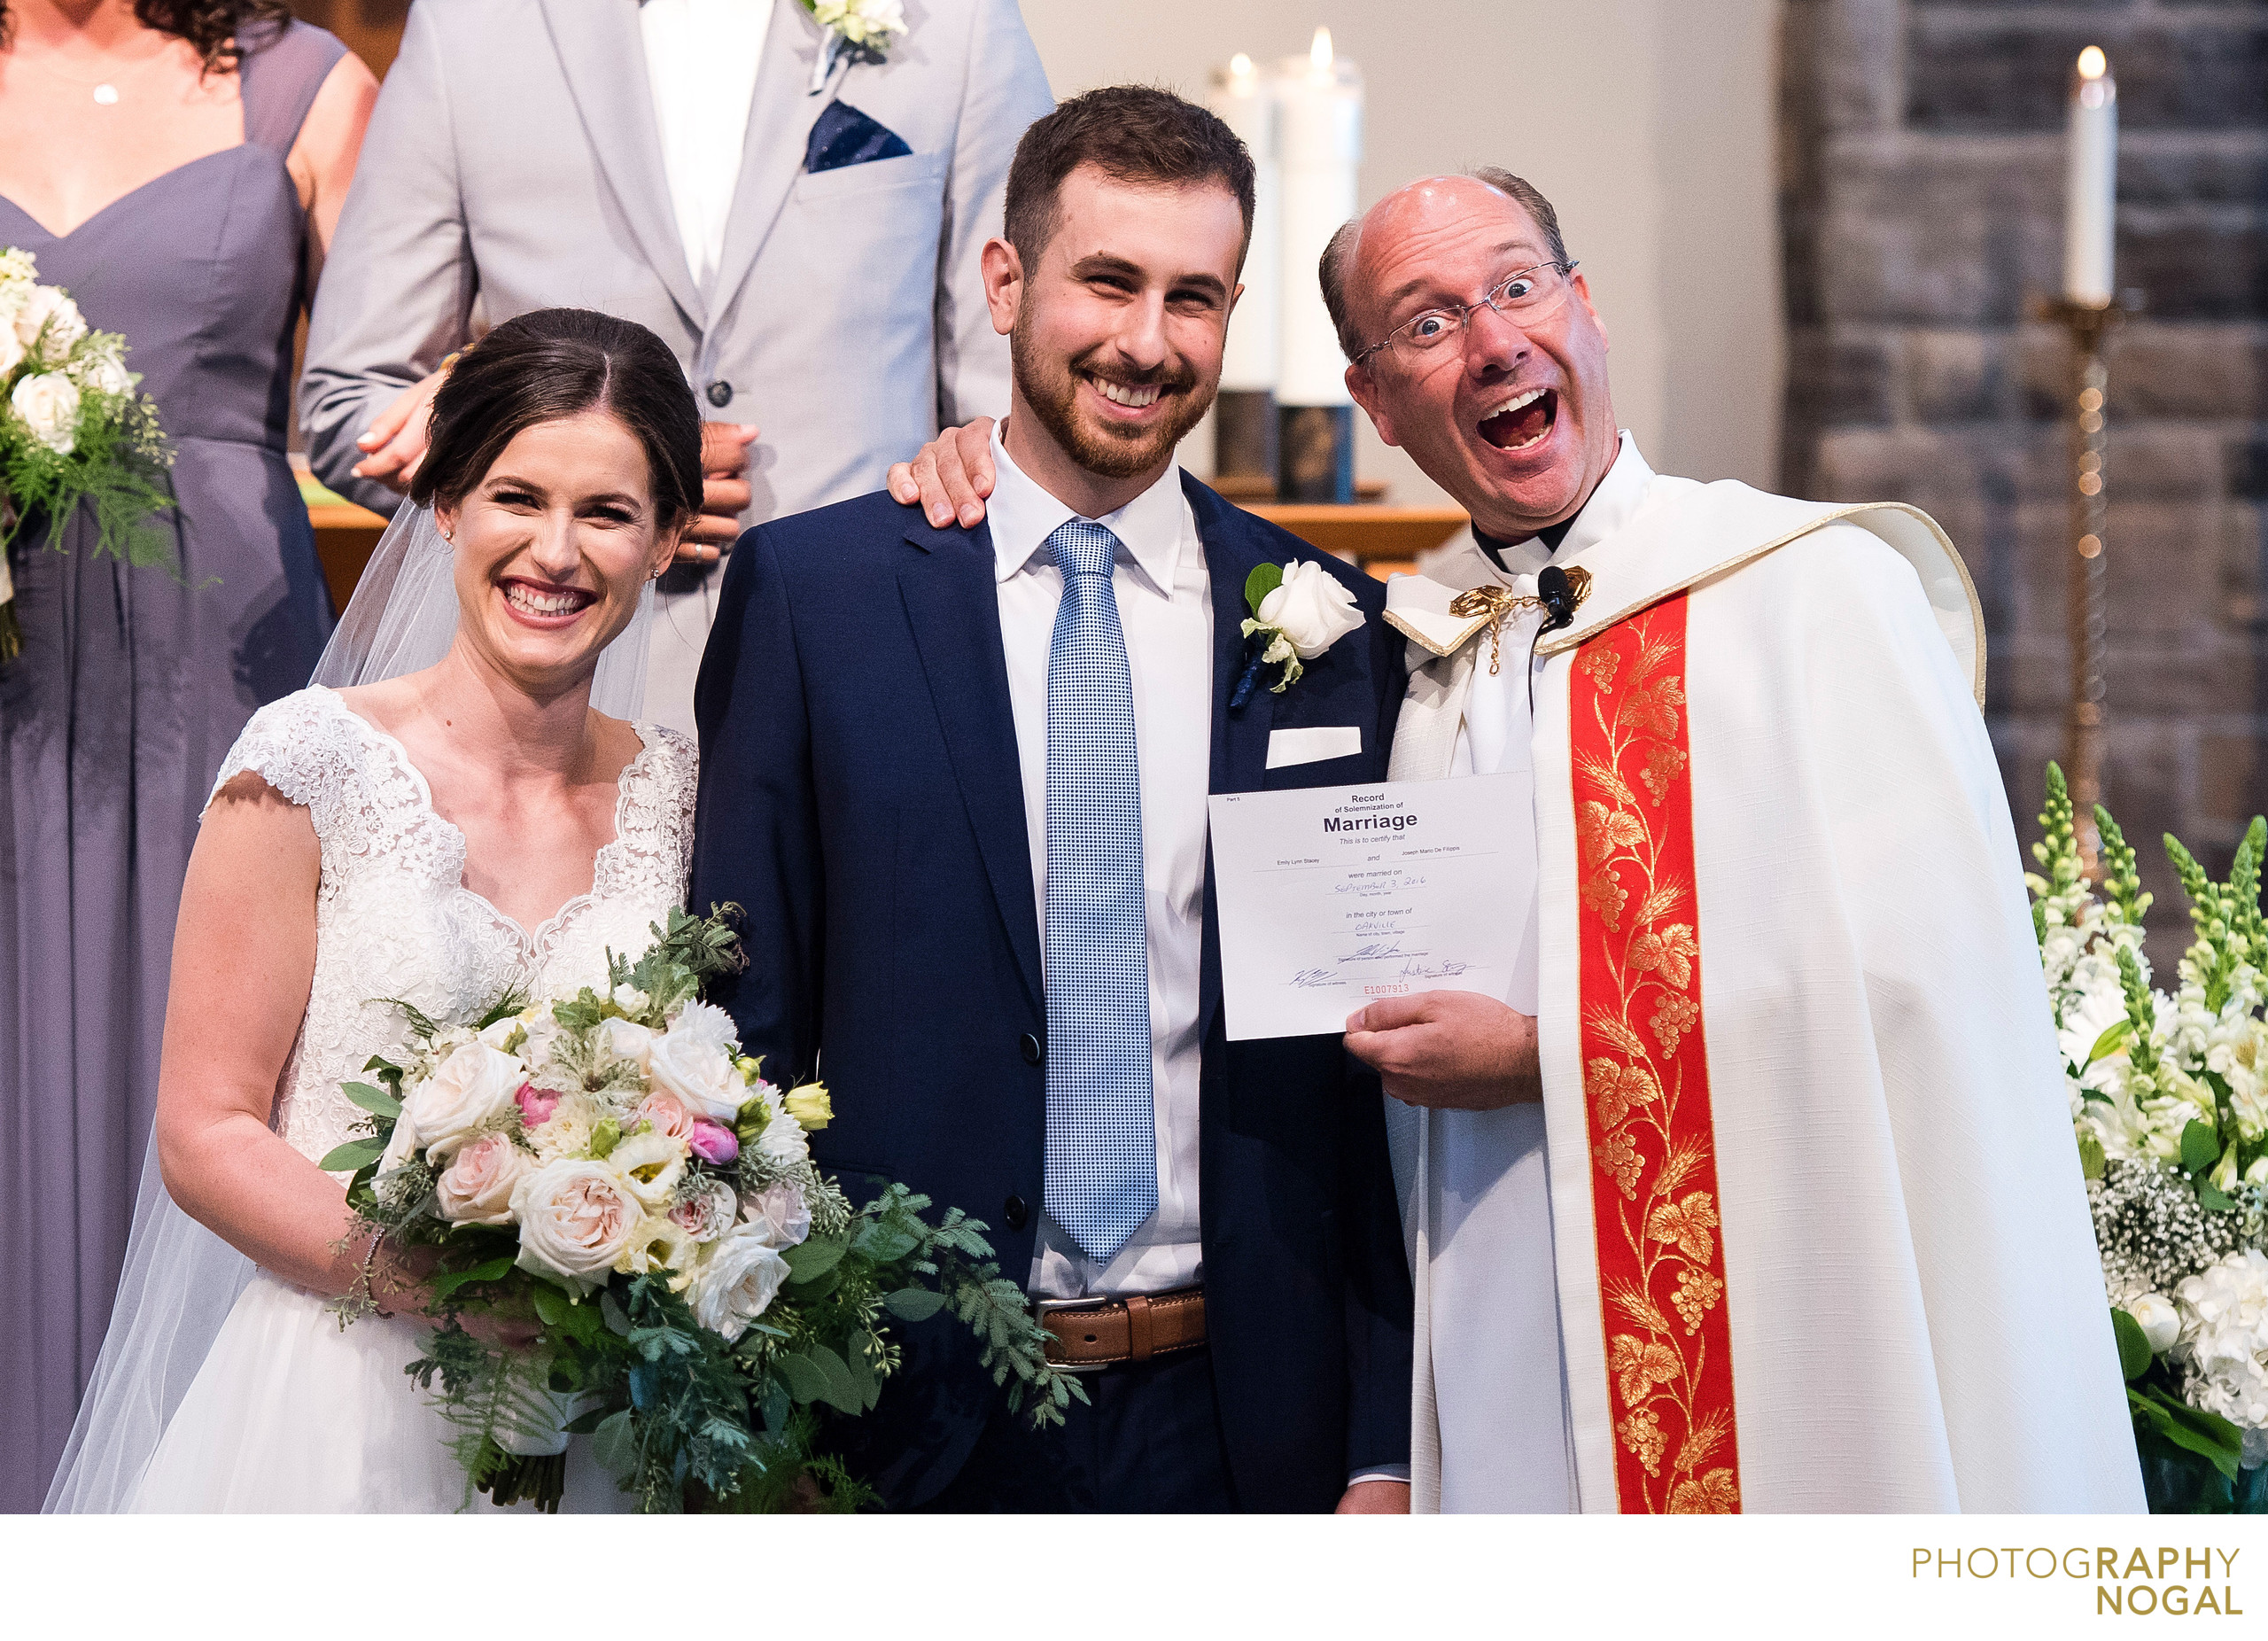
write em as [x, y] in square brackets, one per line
[178, 166]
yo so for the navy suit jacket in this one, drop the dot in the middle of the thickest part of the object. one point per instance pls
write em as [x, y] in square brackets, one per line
[862, 797]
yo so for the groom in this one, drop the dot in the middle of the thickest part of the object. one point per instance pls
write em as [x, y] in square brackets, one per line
[957, 777]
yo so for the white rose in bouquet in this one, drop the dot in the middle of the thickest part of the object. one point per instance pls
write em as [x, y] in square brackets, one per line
[576, 1219]
[699, 1072]
[626, 1039]
[476, 1189]
[1310, 608]
[48, 405]
[2160, 1322]
[11, 351]
[101, 373]
[780, 1213]
[50, 324]
[738, 1281]
[469, 1091]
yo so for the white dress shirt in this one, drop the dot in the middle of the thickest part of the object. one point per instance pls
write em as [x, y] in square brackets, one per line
[1499, 1373]
[1165, 609]
[701, 61]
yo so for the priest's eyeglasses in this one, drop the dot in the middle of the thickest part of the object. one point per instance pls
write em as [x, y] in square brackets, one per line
[1525, 297]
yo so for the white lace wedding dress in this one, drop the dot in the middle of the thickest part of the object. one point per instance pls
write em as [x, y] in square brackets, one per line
[289, 1411]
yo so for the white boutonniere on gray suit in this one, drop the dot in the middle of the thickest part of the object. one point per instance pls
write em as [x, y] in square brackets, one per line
[861, 26]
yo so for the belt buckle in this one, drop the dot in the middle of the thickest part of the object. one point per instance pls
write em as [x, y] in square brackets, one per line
[1045, 1308]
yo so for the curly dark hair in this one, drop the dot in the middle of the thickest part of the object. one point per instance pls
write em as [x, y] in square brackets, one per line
[215, 27]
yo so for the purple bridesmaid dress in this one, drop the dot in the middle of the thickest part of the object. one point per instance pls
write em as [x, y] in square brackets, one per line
[129, 692]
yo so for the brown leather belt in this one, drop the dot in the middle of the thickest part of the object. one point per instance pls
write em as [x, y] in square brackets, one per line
[1089, 1334]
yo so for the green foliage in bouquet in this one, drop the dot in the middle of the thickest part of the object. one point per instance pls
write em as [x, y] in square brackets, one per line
[688, 1415]
[2170, 1109]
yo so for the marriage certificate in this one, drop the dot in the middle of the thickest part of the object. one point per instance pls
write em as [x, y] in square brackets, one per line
[1330, 897]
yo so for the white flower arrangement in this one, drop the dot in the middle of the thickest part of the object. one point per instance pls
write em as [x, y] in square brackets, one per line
[73, 429]
[2170, 1115]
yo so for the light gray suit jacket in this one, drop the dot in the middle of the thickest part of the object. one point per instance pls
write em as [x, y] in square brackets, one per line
[513, 158]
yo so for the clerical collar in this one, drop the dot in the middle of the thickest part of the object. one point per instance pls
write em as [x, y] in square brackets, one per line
[1550, 536]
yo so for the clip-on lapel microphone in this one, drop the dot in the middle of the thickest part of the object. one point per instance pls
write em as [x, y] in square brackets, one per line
[1556, 592]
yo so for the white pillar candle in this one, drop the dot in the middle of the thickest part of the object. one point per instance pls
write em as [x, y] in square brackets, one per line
[2091, 181]
[1321, 97]
[1247, 104]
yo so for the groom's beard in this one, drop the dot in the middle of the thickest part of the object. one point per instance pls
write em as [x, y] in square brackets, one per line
[1050, 385]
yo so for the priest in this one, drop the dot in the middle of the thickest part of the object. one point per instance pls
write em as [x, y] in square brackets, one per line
[1758, 1191]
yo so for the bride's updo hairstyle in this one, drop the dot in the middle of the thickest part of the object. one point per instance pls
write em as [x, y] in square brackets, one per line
[546, 366]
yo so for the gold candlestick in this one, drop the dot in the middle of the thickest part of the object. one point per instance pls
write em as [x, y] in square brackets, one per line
[2087, 577]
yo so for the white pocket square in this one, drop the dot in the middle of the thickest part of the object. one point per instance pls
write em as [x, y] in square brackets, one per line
[1308, 746]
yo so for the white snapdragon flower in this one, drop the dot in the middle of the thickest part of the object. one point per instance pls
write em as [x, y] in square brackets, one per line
[2097, 1006]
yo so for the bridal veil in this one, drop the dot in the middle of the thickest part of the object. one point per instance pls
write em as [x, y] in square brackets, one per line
[180, 1280]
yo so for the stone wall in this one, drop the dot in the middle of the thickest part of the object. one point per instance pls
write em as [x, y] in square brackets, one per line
[1921, 193]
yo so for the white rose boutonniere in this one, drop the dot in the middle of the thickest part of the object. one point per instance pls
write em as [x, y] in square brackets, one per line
[1299, 610]
[864, 26]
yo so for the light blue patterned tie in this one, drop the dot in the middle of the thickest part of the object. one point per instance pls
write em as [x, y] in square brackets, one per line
[1102, 1152]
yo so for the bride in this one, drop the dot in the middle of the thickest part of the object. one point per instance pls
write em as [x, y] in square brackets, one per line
[438, 835]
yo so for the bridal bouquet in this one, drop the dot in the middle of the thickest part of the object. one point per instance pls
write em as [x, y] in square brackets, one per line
[2170, 1101]
[628, 1215]
[72, 428]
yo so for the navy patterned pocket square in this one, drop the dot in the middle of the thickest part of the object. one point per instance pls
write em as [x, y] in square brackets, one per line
[843, 135]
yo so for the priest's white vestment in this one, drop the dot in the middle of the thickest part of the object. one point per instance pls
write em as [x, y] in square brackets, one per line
[1805, 1212]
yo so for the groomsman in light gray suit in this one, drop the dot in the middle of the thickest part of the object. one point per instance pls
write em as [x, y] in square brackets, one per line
[797, 216]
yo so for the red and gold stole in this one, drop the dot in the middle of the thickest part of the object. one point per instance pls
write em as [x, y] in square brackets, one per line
[1646, 1073]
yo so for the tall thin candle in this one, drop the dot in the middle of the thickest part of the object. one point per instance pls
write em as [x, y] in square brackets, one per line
[2091, 181]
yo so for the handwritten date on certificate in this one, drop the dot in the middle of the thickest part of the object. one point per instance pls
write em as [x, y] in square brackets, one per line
[1329, 897]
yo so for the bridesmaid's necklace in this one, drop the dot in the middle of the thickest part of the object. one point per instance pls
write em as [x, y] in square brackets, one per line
[105, 89]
